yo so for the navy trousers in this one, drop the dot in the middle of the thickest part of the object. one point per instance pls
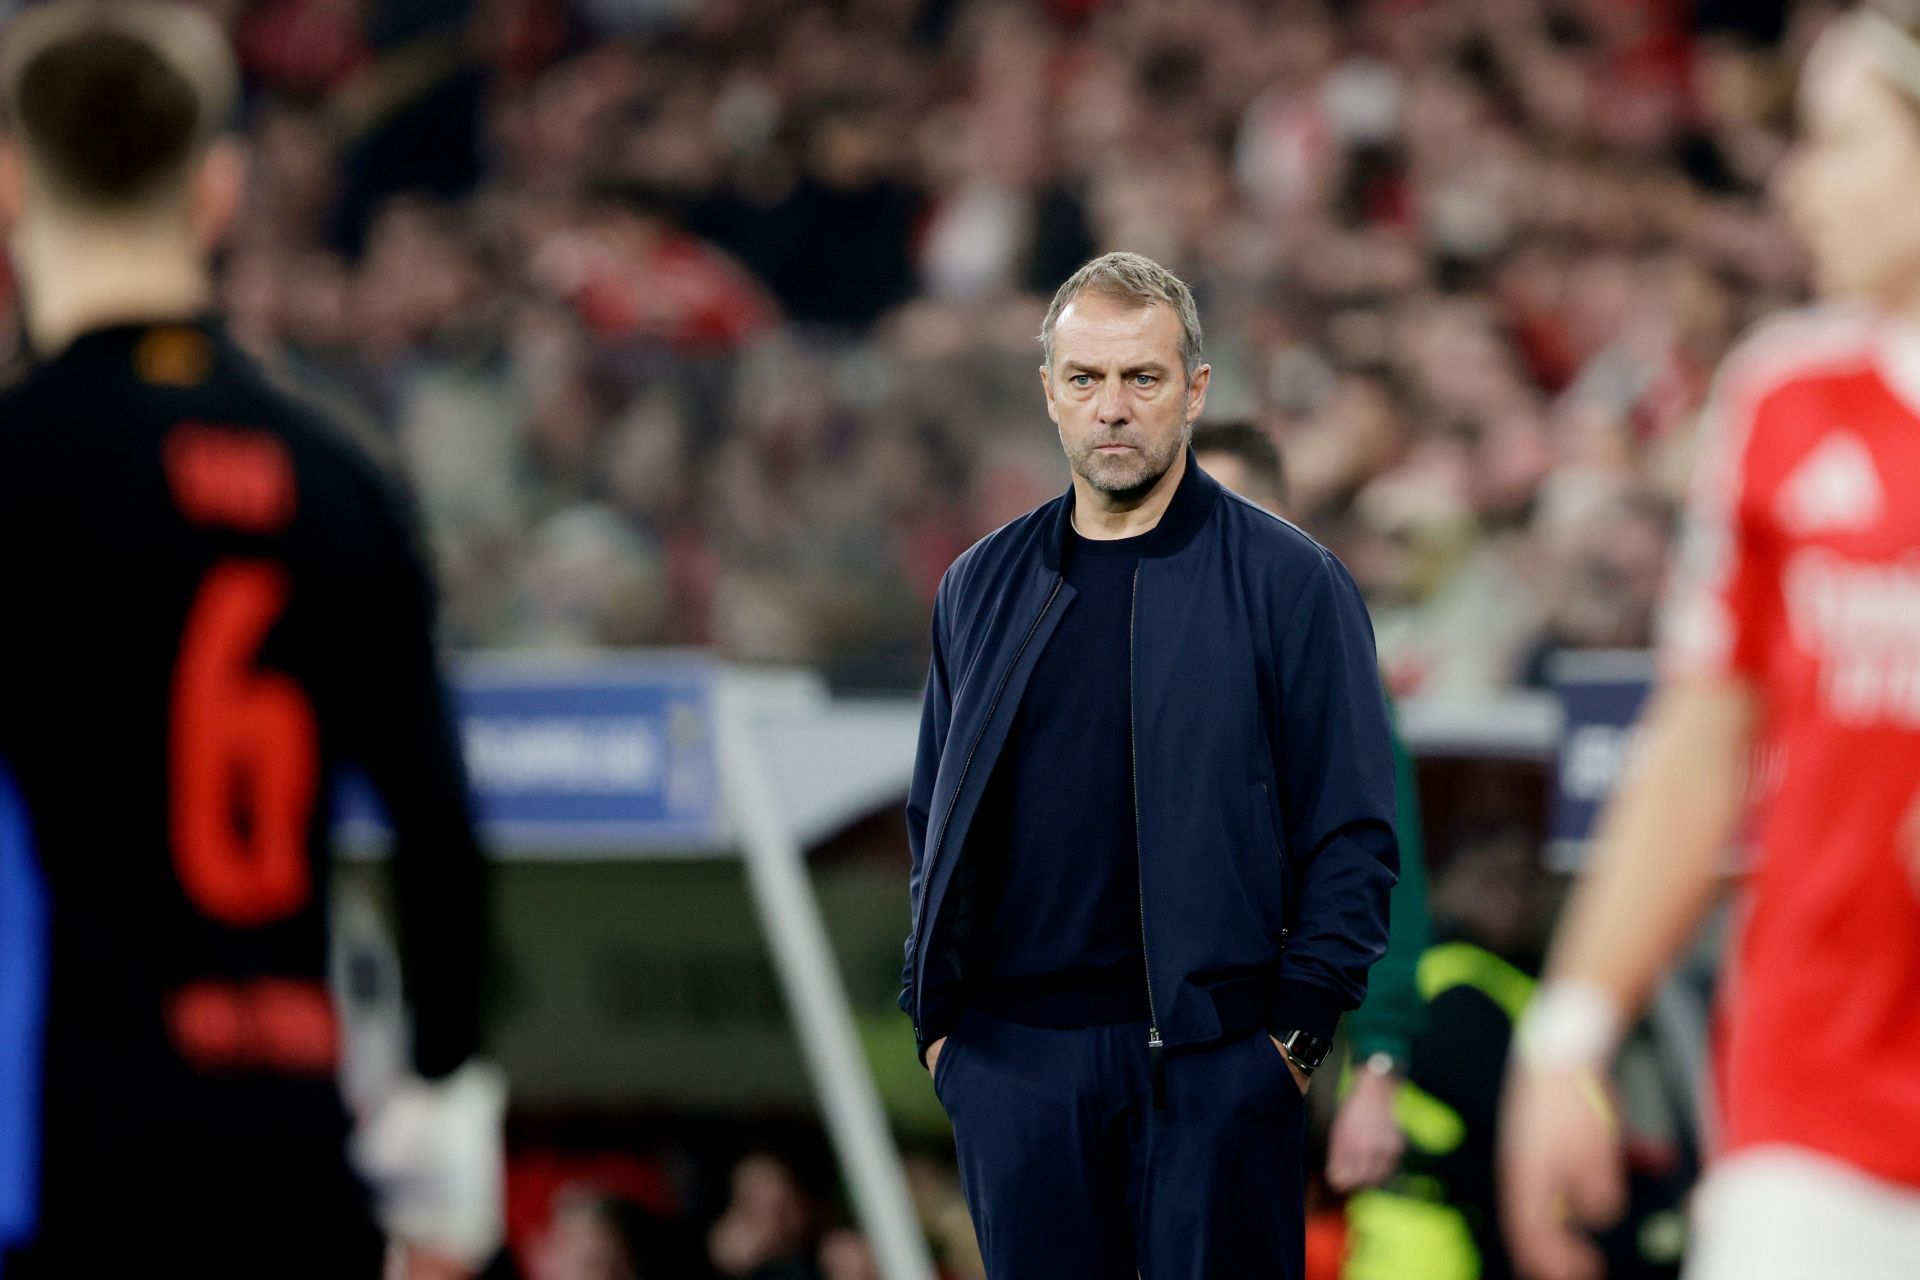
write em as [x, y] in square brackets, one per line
[1071, 1173]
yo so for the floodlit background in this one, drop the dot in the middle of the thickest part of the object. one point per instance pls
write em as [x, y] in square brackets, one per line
[709, 326]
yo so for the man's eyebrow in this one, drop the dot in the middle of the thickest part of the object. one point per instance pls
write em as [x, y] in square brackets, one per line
[1149, 366]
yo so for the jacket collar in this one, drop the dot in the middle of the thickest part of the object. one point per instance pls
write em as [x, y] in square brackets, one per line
[1193, 501]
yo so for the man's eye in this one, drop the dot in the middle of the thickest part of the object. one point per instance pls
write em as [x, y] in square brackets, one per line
[1082, 380]
[1144, 379]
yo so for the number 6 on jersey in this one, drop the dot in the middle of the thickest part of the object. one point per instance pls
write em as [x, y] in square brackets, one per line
[244, 755]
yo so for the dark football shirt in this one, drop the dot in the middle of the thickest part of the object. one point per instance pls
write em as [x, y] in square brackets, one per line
[209, 601]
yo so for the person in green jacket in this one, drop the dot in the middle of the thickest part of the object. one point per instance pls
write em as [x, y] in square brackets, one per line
[1366, 1141]
[1436, 1216]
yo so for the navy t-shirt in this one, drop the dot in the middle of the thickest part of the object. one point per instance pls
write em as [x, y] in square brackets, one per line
[1059, 864]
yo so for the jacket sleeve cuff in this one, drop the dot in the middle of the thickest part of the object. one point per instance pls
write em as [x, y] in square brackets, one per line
[1304, 1006]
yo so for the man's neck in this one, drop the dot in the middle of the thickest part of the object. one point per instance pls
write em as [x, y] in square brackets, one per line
[1103, 518]
[74, 280]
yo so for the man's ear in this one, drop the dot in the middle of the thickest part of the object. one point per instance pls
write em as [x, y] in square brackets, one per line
[219, 185]
[1197, 392]
[1046, 385]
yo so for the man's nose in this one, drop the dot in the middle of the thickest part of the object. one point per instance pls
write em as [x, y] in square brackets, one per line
[1111, 404]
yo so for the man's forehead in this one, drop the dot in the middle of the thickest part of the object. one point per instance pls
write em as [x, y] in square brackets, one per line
[1100, 323]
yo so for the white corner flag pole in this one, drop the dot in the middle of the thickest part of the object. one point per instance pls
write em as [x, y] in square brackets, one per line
[817, 1001]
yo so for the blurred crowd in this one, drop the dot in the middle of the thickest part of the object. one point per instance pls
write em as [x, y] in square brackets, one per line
[713, 321]
[617, 1218]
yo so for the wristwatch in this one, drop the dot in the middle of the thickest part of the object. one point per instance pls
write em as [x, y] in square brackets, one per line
[1305, 1050]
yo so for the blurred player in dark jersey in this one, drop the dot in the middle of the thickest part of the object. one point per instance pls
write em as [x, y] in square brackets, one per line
[208, 602]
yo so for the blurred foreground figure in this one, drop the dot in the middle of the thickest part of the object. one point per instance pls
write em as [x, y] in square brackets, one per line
[210, 602]
[1794, 644]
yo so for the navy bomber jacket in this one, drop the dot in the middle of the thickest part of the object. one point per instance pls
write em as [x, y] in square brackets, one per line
[1263, 770]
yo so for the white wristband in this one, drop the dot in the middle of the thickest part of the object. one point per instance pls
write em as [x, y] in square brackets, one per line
[1569, 1024]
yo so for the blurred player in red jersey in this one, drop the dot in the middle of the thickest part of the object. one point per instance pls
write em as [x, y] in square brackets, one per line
[208, 601]
[1794, 639]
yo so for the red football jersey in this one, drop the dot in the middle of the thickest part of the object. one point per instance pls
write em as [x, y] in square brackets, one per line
[1801, 575]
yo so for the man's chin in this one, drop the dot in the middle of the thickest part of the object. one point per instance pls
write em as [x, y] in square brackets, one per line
[1122, 479]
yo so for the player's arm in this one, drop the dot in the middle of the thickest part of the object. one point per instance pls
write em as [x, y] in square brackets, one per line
[433, 1150]
[411, 753]
[1654, 871]
[1652, 874]
[1660, 845]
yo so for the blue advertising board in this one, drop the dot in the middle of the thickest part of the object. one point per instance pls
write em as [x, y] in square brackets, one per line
[1601, 694]
[597, 755]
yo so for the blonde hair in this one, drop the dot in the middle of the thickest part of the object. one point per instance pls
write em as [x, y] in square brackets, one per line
[1130, 277]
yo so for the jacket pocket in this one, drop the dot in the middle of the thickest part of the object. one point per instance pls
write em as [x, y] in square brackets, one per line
[940, 1067]
[1274, 1065]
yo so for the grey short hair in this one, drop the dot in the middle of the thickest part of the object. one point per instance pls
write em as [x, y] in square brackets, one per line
[1137, 278]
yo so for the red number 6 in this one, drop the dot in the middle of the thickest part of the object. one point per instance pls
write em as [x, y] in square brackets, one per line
[244, 755]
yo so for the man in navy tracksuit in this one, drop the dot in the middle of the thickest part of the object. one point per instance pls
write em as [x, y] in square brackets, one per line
[1152, 832]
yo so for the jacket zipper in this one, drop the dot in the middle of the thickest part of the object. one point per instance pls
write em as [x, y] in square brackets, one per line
[1156, 1048]
[939, 843]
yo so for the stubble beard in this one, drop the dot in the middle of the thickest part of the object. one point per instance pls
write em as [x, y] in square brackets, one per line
[1130, 476]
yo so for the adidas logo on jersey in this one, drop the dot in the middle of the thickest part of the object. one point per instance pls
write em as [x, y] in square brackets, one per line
[1836, 487]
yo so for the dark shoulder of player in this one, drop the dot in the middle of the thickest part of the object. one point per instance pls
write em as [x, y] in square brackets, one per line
[346, 466]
